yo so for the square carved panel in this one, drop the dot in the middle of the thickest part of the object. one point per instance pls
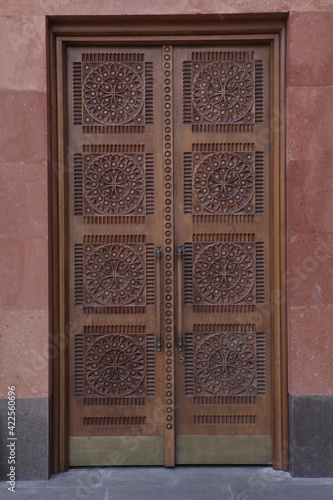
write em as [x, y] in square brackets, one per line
[113, 184]
[222, 91]
[225, 363]
[114, 362]
[113, 92]
[223, 182]
[114, 274]
[224, 273]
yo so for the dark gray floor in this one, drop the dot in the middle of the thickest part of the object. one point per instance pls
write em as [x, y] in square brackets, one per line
[181, 483]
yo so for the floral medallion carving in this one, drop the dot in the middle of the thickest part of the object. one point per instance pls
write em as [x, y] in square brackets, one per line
[224, 364]
[115, 365]
[114, 274]
[224, 273]
[114, 184]
[222, 92]
[113, 93]
[223, 183]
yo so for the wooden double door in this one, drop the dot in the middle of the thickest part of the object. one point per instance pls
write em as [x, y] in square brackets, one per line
[168, 255]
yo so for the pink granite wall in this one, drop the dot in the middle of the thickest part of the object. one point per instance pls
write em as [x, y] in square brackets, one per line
[310, 202]
[24, 301]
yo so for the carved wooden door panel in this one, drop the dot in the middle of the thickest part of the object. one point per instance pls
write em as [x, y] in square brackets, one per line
[116, 372]
[221, 157]
[168, 255]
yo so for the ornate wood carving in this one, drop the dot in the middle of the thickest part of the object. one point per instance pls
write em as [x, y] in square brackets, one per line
[225, 91]
[113, 89]
[115, 93]
[113, 365]
[114, 274]
[168, 249]
[224, 419]
[225, 364]
[113, 184]
[221, 91]
[222, 183]
[77, 93]
[225, 400]
[224, 273]
[259, 182]
[114, 421]
[259, 91]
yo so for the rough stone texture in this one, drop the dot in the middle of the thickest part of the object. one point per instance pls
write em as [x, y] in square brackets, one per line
[23, 52]
[23, 126]
[310, 201]
[310, 349]
[104, 7]
[23, 192]
[311, 272]
[310, 123]
[309, 36]
[311, 446]
[32, 433]
[24, 353]
[22, 263]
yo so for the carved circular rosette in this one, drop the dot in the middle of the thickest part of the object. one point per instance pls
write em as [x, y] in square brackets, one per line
[223, 92]
[114, 184]
[113, 94]
[223, 183]
[225, 364]
[224, 273]
[115, 366]
[114, 274]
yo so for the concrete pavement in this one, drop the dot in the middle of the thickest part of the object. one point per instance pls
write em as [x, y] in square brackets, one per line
[181, 483]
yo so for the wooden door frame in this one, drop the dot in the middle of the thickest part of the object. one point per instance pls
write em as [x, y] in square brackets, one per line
[158, 30]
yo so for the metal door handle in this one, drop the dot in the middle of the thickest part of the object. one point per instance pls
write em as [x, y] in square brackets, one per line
[180, 338]
[158, 260]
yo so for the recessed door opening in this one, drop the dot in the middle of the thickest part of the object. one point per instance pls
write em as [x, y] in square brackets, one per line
[167, 237]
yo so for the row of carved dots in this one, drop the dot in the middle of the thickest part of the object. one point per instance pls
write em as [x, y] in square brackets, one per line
[168, 233]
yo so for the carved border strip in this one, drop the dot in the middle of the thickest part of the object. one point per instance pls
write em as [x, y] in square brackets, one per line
[150, 274]
[150, 184]
[168, 249]
[120, 421]
[234, 147]
[114, 238]
[259, 91]
[77, 93]
[187, 92]
[113, 148]
[114, 402]
[259, 182]
[78, 378]
[260, 273]
[188, 183]
[78, 185]
[261, 364]
[149, 70]
[113, 57]
[228, 55]
[224, 419]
